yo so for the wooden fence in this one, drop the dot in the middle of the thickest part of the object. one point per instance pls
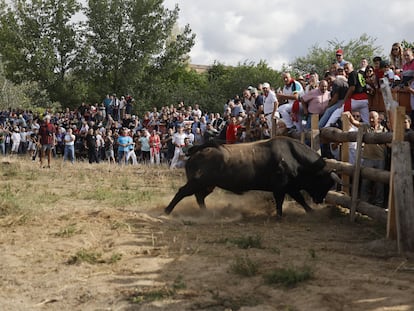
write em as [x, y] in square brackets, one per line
[400, 212]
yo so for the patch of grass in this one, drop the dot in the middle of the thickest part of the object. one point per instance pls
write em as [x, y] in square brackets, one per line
[68, 231]
[10, 170]
[8, 201]
[179, 283]
[152, 295]
[115, 257]
[116, 225]
[86, 256]
[98, 194]
[248, 242]
[244, 266]
[288, 277]
[312, 253]
[92, 257]
[232, 303]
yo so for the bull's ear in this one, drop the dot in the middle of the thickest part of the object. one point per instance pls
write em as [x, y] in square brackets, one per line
[336, 178]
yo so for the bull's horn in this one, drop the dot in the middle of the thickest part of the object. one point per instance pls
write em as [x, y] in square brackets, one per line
[336, 178]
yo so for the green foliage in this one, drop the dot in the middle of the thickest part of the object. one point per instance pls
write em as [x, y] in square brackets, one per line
[68, 231]
[92, 257]
[244, 266]
[127, 47]
[289, 277]
[248, 242]
[319, 58]
[405, 44]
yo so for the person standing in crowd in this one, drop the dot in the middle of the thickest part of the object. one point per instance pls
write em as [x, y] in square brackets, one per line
[155, 145]
[115, 107]
[2, 139]
[69, 141]
[124, 140]
[100, 145]
[408, 67]
[178, 141]
[374, 156]
[363, 65]
[91, 146]
[145, 146]
[47, 139]
[270, 104]
[109, 147]
[249, 100]
[231, 131]
[15, 137]
[289, 107]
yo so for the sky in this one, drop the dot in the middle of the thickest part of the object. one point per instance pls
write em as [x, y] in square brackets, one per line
[278, 31]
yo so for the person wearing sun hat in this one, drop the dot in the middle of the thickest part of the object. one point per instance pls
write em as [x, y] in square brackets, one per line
[339, 55]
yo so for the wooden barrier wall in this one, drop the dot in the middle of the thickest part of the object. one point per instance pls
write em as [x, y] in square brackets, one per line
[400, 216]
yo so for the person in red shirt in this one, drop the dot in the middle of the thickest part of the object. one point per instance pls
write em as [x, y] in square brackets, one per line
[47, 140]
[231, 132]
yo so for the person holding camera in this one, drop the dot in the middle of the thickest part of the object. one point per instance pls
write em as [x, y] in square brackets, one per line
[47, 140]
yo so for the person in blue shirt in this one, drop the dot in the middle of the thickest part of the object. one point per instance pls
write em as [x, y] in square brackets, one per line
[124, 141]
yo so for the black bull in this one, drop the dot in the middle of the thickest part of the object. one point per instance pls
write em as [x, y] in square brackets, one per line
[280, 165]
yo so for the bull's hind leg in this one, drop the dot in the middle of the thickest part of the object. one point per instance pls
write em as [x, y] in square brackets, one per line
[183, 192]
[201, 195]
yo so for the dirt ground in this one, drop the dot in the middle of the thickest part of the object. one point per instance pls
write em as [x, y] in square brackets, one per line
[82, 255]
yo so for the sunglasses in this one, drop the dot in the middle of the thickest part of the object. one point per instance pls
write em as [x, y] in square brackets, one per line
[395, 49]
[356, 115]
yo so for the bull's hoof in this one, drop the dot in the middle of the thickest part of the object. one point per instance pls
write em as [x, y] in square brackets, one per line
[167, 211]
[309, 210]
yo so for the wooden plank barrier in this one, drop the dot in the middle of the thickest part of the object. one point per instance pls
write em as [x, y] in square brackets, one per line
[403, 202]
[400, 216]
[346, 125]
[398, 136]
[357, 172]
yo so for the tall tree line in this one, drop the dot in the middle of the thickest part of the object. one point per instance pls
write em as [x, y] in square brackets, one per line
[57, 52]
[80, 53]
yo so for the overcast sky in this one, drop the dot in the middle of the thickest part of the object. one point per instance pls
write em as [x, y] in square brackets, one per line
[278, 31]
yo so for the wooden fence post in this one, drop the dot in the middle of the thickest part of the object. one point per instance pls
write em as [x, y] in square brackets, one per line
[355, 179]
[346, 125]
[404, 201]
[315, 141]
[398, 135]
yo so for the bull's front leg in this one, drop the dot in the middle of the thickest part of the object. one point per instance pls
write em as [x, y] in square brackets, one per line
[201, 195]
[183, 192]
[279, 198]
[298, 197]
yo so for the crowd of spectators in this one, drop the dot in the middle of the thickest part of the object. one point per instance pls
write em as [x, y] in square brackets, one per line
[98, 132]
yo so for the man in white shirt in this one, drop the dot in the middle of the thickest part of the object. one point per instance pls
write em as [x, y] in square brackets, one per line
[270, 104]
[290, 110]
[178, 142]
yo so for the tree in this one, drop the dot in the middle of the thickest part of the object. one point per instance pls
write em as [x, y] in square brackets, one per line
[319, 59]
[39, 41]
[129, 41]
